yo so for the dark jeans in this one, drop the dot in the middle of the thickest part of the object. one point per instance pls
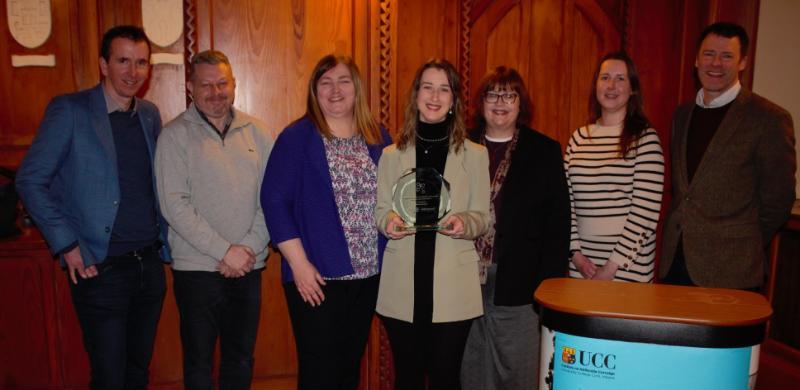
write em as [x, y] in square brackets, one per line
[331, 337]
[118, 311]
[212, 306]
[432, 349]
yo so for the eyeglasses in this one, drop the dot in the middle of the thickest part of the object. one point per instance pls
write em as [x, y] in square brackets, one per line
[493, 97]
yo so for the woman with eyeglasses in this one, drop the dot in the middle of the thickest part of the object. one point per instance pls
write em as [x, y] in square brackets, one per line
[318, 196]
[615, 172]
[429, 292]
[528, 237]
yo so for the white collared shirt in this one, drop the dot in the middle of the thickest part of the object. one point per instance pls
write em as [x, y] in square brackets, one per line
[721, 100]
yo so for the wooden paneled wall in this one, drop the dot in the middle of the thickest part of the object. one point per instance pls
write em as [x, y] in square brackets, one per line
[554, 45]
[273, 46]
[21, 89]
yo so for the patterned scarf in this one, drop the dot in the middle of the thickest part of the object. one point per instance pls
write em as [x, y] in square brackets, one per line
[485, 243]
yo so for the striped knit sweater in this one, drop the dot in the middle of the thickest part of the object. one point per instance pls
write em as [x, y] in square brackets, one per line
[615, 202]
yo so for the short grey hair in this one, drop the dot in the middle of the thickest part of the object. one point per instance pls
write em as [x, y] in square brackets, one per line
[209, 57]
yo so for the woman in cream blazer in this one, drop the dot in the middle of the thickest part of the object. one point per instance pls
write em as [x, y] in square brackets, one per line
[429, 289]
[456, 288]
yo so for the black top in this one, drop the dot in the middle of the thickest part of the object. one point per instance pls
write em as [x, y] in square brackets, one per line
[702, 127]
[432, 146]
[136, 224]
[533, 223]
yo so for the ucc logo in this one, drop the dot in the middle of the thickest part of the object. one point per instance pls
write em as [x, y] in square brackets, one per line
[570, 355]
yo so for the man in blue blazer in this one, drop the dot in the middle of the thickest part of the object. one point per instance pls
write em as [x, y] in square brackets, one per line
[88, 183]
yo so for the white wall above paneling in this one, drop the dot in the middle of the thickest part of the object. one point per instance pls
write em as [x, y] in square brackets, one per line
[777, 59]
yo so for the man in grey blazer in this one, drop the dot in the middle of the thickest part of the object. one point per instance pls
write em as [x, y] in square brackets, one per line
[733, 173]
[87, 181]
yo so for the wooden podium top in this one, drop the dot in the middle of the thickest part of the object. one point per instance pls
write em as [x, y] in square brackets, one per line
[654, 302]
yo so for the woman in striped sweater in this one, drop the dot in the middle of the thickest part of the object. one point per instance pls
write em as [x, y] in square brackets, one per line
[615, 174]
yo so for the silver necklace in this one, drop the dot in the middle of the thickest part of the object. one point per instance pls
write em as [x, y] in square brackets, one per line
[433, 144]
[433, 140]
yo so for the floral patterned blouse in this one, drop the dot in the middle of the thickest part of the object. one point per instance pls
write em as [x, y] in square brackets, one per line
[355, 184]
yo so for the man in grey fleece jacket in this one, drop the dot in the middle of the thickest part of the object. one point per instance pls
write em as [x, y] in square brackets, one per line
[210, 161]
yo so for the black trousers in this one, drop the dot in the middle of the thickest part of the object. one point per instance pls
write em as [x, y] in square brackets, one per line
[678, 274]
[118, 311]
[331, 337]
[212, 306]
[432, 349]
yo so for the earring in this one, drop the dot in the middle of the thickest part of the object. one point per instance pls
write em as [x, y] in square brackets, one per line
[451, 111]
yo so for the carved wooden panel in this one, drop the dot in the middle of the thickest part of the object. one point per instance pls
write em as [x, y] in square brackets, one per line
[592, 35]
[555, 45]
[655, 51]
[425, 29]
[509, 42]
[167, 363]
[273, 46]
[387, 27]
[275, 352]
[548, 76]
[75, 42]
[167, 87]
[166, 83]
[27, 330]
[21, 89]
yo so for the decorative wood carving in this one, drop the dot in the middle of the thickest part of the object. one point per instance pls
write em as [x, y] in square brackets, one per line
[386, 362]
[483, 16]
[478, 7]
[626, 25]
[29, 22]
[162, 20]
[189, 38]
[385, 53]
[464, 52]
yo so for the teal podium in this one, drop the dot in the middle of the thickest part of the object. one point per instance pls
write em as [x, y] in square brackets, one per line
[610, 335]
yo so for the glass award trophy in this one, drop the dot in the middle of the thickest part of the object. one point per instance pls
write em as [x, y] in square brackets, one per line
[421, 197]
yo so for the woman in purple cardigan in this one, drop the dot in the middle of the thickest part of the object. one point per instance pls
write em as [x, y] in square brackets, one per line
[318, 196]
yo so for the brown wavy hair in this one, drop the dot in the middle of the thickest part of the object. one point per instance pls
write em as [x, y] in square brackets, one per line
[507, 79]
[366, 126]
[457, 130]
[636, 121]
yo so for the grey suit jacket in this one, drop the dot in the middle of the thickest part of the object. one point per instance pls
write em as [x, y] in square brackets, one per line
[456, 288]
[741, 193]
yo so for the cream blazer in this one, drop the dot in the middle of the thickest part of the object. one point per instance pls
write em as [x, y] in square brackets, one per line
[456, 289]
